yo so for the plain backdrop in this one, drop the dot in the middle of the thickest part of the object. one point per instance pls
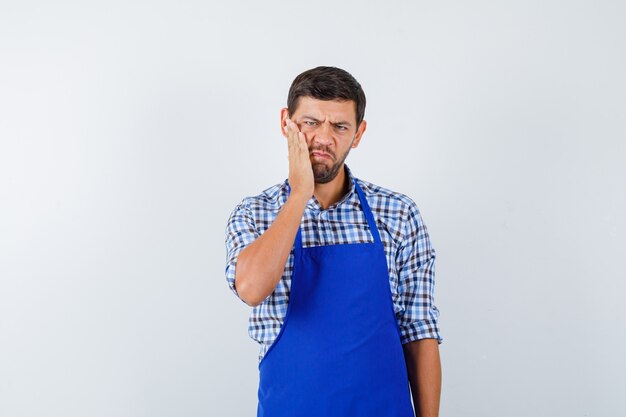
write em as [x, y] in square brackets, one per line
[130, 130]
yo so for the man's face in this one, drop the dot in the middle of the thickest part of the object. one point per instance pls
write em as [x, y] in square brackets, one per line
[330, 131]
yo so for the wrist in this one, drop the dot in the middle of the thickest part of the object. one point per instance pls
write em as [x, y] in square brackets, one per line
[299, 198]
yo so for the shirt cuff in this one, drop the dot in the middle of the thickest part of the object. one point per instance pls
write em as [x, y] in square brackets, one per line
[422, 329]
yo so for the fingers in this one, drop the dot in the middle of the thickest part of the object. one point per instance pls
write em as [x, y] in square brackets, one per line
[294, 136]
[300, 170]
[291, 125]
[291, 129]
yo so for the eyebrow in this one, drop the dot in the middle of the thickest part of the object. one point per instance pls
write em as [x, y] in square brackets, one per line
[342, 122]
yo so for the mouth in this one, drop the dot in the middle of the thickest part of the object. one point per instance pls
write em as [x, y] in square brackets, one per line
[320, 155]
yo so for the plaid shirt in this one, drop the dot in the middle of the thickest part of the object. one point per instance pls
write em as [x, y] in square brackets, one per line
[410, 256]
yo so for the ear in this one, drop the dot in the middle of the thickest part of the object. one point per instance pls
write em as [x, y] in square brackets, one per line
[284, 115]
[359, 134]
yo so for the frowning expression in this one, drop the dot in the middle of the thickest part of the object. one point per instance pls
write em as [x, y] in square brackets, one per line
[330, 129]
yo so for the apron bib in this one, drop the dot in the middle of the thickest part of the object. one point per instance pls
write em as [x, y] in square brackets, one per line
[338, 352]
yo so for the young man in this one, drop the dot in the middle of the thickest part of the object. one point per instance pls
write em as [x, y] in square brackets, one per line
[340, 273]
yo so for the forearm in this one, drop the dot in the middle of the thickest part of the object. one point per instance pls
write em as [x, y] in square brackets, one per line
[424, 371]
[261, 264]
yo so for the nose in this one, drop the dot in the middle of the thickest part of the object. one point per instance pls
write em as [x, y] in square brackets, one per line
[324, 133]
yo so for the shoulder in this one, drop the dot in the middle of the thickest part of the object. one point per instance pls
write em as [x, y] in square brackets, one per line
[254, 213]
[271, 198]
[396, 213]
[387, 201]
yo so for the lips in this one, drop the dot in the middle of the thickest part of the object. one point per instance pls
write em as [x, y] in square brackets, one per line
[321, 154]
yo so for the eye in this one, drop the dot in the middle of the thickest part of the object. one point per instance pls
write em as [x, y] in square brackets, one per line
[342, 128]
[309, 123]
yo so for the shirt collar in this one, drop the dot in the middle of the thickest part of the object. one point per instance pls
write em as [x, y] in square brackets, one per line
[313, 204]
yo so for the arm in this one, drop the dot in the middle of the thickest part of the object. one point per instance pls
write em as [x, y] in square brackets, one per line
[424, 369]
[261, 264]
[419, 318]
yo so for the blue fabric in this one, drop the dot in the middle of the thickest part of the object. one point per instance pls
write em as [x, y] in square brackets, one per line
[338, 352]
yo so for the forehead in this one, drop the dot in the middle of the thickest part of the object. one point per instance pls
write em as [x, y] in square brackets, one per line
[334, 110]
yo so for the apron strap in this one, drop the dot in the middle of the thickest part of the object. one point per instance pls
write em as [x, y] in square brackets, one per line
[368, 213]
[298, 240]
[366, 210]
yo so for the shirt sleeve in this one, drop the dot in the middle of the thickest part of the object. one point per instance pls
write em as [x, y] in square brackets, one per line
[415, 262]
[240, 231]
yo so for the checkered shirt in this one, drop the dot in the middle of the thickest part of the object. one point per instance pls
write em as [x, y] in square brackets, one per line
[410, 255]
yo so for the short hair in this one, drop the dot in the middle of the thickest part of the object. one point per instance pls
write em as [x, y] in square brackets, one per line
[327, 83]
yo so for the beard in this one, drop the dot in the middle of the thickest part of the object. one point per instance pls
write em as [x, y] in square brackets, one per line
[323, 173]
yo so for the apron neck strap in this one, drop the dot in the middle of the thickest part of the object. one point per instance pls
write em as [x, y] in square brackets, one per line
[368, 213]
[366, 210]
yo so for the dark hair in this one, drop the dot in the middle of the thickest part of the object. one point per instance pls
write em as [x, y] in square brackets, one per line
[327, 83]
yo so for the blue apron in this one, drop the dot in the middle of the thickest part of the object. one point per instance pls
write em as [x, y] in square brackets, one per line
[338, 352]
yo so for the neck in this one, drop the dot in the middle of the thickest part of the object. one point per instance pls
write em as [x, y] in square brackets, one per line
[329, 193]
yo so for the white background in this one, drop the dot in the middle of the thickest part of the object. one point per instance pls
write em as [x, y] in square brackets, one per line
[129, 131]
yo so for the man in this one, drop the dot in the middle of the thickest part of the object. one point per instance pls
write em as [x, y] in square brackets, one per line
[340, 273]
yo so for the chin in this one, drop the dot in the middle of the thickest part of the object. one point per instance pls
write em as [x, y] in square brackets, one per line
[324, 175]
